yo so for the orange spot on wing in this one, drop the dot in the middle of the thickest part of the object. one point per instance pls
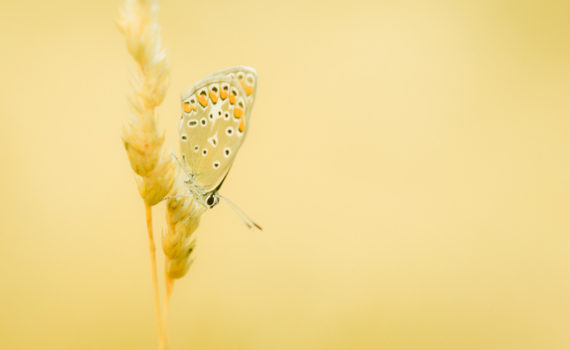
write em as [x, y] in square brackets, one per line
[213, 97]
[223, 94]
[232, 98]
[203, 100]
[188, 107]
[242, 126]
[247, 88]
[238, 112]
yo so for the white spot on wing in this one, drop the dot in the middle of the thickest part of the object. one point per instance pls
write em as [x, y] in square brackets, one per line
[249, 79]
[192, 123]
[213, 140]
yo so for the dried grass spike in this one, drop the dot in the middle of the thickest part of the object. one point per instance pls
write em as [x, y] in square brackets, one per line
[155, 187]
[155, 171]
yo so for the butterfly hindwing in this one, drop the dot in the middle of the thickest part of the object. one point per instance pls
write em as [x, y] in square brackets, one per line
[214, 123]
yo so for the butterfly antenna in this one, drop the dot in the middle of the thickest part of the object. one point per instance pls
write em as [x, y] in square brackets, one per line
[242, 215]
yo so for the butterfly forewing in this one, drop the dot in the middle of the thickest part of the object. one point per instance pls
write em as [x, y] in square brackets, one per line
[214, 123]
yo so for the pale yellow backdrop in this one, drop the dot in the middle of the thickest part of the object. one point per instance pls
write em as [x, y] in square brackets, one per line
[408, 161]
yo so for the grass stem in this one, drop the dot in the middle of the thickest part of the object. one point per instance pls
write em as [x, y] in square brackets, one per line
[152, 250]
[169, 287]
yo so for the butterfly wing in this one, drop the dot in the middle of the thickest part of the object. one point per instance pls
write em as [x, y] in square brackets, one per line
[214, 122]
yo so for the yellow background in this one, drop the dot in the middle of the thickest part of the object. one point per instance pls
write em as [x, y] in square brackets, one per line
[407, 160]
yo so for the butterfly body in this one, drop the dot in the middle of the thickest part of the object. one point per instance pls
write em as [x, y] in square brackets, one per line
[214, 122]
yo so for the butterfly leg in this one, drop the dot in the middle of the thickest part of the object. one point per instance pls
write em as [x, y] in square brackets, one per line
[177, 196]
[189, 176]
[194, 211]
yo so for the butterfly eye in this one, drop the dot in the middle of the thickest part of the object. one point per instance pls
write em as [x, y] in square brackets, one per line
[214, 88]
[203, 121]
[229, 131]
[204, 152]
[227, 151]
[234, 92]
[192, 123]
[211, 200]
[184, 138]
[216, 165]
[196, 148]
[226, 115]
[249, 79]
[240, 76]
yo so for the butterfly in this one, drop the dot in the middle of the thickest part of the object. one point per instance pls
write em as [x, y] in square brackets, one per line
[214, 122]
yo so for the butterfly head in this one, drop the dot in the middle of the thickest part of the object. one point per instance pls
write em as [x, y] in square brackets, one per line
[207, 199]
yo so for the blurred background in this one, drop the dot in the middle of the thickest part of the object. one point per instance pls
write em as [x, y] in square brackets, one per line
[408, 161]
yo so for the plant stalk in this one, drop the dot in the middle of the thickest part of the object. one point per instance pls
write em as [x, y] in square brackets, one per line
[152, 249]
[169, 287]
